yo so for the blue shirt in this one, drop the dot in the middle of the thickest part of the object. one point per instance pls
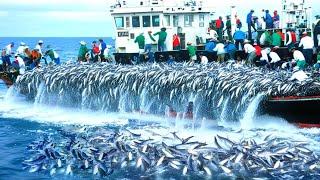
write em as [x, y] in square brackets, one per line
[239, 35]
[230, 47]
[249, 18]
[210, 46]
[268, 18]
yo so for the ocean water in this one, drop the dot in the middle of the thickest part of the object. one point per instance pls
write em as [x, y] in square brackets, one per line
[23, 122]
[67, 48]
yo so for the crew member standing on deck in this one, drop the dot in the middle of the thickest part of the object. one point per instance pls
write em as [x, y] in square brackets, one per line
[228, 28]
[54, 56]
[176, 42]
[192, 52]
[141, 43]
[307, 44]
[102, 47]
[149, 40]
[276, 19]
[82, 52]
[5, 56]
[39, 47]
[162, 39]
[250, 24]
[220, 26]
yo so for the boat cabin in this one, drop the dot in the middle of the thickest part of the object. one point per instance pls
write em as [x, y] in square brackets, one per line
[188, 19]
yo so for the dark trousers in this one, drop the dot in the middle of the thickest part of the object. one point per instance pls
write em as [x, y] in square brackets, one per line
[308, 53]
[239, 42]
[249, 30]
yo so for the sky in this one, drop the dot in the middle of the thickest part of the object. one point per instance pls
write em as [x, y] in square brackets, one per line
[89, 18]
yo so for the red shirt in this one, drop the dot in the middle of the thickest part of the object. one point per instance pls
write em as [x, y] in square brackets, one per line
[258, 50]
[176, 40]
[95, 50]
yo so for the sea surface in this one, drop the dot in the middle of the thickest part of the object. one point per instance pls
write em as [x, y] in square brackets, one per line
[23, 122]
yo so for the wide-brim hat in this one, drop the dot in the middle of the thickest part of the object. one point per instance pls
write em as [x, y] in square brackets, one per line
[22, 44]
[163, 29]
[40, 42]
[83, 43]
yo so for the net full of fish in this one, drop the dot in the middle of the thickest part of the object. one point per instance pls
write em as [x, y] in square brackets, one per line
[103, 152]
[114, 88]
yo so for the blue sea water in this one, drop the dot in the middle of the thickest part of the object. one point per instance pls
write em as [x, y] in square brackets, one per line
[23, 122]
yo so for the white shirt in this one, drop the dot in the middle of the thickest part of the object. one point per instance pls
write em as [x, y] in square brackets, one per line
[213, 34]
[219, 48]
[204, 60]
[299, 75]
[248, 48]
[55, 54]
[21, 65]
[306, 42]
[274, 57]
[289, 38]
[148, 39]
[263, 39]
[38, 47]
[20, 50]
[8, 49]
[264, 55]
[297, 55]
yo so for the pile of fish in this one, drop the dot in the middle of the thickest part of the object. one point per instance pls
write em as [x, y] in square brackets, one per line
[151, 87]
[103, 153]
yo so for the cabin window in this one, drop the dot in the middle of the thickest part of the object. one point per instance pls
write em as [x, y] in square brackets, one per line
[155, 21]
[188, 20]
[167, 20]
[201, 20]
[135, 21]
[127, 21]
[146, 21]
[119, 22]
[175, 21]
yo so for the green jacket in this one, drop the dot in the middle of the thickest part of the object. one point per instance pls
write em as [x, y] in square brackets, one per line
[276, 39]
[228, 24]
[141, 41]
[82, 51]
[50, 53]
[192, 50]
[268, 38]
[162, 37]
[318, 58]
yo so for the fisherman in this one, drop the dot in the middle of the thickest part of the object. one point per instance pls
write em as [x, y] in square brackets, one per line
[5, 56]
[21, 48]
[291, 39]
[94, 54]
[18, 64]
[275, 59]
[276, 39]
[107, 54]
[250, 24]
[276, 19]
[204, 59]
[102, 47]
[176, 42]
[298, 59]
[210, 45]
[149, 40]
[266, 39]
[189, 111]
[268, 20]
[230, 49]
[192, 52]
[162, 39]
[141, 44]
[239, 36]
[264, 59]
[220, 52]
[54, 56]
[251, 51]
[316, 34]
[170, 60]
[317, 65]
[258, 51]
[238, 22]
[213, 34]
[83, 50]
[220, 27]
[307, 44]
[39, 47]
[228, 28]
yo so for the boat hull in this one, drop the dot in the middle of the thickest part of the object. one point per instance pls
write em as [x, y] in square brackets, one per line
[303, 111]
